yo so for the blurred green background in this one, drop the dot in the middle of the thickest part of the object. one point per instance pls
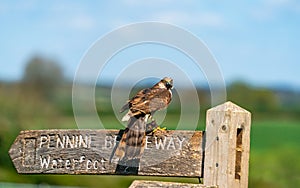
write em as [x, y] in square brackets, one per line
[255, 43]
[43, 101]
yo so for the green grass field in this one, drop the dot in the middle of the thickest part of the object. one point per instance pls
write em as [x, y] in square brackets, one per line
[275, 151]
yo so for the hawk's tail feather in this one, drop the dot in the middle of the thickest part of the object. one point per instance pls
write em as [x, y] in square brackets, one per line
[132, 142]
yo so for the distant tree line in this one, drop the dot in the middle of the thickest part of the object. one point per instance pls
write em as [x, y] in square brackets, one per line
[261, 100]
[43, 75]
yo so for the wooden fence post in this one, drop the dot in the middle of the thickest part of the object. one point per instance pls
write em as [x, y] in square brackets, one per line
[227, 146]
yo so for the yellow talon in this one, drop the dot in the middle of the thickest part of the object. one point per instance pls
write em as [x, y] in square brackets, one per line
[159, 129]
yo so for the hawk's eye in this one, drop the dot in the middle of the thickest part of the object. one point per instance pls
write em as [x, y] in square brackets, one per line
[168, 85]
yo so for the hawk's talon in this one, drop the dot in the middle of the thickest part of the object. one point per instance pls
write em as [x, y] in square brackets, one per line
[159, 132]
[159, 129]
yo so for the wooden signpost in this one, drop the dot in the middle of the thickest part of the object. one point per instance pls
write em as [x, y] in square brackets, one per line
[220, 155]
[88, 152]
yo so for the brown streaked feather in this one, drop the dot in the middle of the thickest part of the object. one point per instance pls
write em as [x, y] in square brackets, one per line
[144, 103]
[132, 143]
[148, 101]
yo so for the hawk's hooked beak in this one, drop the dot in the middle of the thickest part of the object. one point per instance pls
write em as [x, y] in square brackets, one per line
[168, 82]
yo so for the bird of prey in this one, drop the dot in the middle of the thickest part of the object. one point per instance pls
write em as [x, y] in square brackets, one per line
[142, 106]
[150, 100]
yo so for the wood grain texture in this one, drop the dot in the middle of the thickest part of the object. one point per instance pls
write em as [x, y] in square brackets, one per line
[227, 146]
[175, 153]
[146, 184]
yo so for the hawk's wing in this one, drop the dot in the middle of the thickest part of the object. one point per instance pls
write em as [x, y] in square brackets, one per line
[149, 100]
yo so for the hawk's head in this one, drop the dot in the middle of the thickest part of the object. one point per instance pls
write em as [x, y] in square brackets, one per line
[167, 82]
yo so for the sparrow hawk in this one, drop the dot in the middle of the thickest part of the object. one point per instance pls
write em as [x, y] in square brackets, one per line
[147, 101]
[142, 106]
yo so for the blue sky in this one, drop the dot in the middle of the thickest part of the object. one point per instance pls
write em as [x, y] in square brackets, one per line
[256, 41]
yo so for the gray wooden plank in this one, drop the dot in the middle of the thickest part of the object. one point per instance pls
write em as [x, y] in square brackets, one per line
[146, 184]
[174, 153]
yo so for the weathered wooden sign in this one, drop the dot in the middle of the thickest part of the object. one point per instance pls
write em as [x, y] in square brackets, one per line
[176, 153]
[171, 153]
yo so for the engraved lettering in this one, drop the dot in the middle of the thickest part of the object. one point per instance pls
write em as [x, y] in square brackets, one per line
[92, 140]
[43, 140]
[160, 143]
[88, 164]
[103, 164]
[67, 164]
[60, 142]
[60, 161]
[51, 138]
[180, 142]
[95, 165]
[75, 163]
[171, 144]
[65, 141]
[88, 141]
[76, 141]
[45, 162]
[70, 142]
[83, 142]
[82, 158]
[54, 163]
[147, 143]
[108, 142]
